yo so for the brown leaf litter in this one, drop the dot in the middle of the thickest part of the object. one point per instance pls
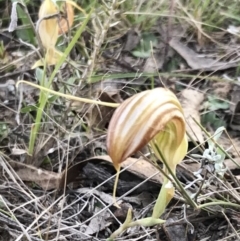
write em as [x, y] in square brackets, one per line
[199, 63]
[235, 108]
[98, 116]
[45, 179]
[191, 102]
[48, 180]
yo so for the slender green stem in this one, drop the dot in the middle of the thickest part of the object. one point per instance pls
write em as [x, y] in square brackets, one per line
[43, 95]
[70, 46]
[35, 127]
[98, 78]
[145, 222]
[179, 185]
[218, 203]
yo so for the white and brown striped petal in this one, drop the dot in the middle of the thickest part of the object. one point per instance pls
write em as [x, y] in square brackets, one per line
[139, 119]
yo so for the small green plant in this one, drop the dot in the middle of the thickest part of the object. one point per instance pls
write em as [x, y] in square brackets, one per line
[210, 116]
[144, 49]
[26, 33]
[3, 130]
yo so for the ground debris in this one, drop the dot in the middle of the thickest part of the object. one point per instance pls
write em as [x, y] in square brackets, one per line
[177, 232]
[200, 63]
[191, 102]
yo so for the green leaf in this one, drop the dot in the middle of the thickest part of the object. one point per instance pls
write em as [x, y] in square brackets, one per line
[213, 119]
[215, 103]
[29, 108]
[143, 50]
[3, 130]
[27, 33]
[40, 75]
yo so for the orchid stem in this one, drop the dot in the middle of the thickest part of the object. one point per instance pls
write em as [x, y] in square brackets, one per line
[218, 203]
[179, 185]
[145, 222]
[115, 186]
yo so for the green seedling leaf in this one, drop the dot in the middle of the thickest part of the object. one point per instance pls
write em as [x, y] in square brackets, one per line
[51, 99]
[3, 130]
[29, 108]
[71, 80]
[172, 65]
[2, 204]
[143, 50]
[2, 50]
[215, 103]
[27, 33]
[39, 74]
[213, 119]
[217, 134]
[46, 161]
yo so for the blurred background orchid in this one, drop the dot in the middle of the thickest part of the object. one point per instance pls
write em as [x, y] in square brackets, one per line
[50, 26]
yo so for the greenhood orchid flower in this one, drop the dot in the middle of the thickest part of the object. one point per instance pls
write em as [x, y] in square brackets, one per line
[140, 119]
[152, 117]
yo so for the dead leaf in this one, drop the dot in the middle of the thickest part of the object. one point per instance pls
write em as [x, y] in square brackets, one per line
[6, 89]
[221, 89]
[98, 116]
[191, 101]
[17, 151]
[154, 62]
[144, 199]
[139, 167]
[232, 146]
[121, 213]
[67, 21]
[188, 167]
[47, 180]
[231, 165]
[132, 40]
[199, 63]
[14, 18]
[235, 108]
[179, 232]
[107, 198]
[98, 222]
